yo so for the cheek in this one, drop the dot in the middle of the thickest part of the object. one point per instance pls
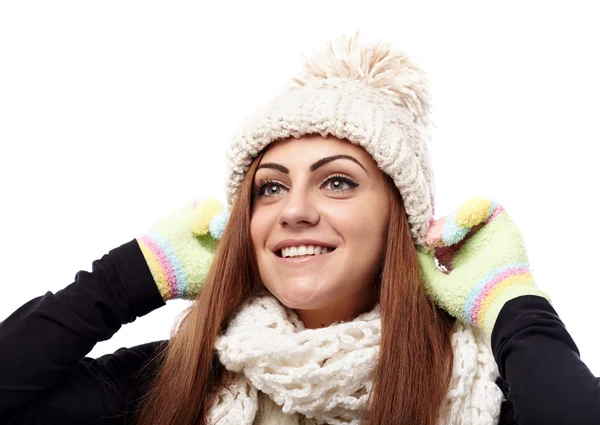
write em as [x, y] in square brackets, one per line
[259, 228]
[255, 231]
[362, 222]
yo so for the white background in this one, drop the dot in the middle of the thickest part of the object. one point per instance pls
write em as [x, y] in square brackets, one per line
[113, 114]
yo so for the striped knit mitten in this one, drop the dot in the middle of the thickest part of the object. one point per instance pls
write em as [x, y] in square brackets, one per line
[485, 262]
[179, 248]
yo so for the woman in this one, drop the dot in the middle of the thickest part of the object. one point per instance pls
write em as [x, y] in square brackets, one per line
[317, 297]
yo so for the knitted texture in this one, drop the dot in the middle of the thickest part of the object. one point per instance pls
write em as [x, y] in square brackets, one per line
[483, 260]
[370, 95]
[326, 374]
[179, 248]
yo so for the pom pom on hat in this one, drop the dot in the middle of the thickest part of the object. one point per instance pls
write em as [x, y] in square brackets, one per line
[376, 64]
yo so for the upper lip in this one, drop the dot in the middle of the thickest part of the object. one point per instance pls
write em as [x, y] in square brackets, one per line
[297, 242]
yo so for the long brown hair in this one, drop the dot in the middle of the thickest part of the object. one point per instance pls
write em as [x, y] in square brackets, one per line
[416, 356]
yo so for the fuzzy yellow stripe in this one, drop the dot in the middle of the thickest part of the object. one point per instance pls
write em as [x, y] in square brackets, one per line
[158, 273]
[519, 280]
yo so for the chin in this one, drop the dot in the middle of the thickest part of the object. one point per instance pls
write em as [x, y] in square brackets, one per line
[299, 296]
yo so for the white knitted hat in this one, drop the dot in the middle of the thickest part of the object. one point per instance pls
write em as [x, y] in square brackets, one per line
[370, 95]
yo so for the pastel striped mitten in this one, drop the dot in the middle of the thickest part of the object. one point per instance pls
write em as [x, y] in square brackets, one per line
[485, 262]
[179, 248]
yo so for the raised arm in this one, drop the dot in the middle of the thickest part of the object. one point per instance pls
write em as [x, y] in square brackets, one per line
[43, 371]
[42, 343]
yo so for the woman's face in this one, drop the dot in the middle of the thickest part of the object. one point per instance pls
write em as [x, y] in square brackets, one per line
[315, 193]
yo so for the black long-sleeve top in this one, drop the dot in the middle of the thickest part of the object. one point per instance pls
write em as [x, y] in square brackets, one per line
[46, 378]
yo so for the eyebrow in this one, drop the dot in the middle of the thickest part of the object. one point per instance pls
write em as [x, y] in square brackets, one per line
[313, 167]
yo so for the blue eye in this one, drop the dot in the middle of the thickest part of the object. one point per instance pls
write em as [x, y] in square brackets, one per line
[268, 188]
[338, 182]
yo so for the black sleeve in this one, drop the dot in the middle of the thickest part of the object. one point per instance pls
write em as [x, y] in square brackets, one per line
[540, 368]
[43, 344]
[106, 391]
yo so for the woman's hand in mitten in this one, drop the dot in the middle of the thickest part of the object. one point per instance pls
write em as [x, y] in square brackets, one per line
[179, 248]
[484, 254]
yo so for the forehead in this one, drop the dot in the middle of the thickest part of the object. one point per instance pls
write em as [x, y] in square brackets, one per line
[313, 147]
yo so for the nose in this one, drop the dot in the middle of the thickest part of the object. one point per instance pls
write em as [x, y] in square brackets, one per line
[299, 209]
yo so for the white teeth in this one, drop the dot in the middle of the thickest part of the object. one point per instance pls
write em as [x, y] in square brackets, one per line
[296, 251]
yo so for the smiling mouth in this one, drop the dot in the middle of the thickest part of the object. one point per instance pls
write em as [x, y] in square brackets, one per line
[291, 253]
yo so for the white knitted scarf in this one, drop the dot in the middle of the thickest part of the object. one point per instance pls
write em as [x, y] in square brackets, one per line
[326, 374]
